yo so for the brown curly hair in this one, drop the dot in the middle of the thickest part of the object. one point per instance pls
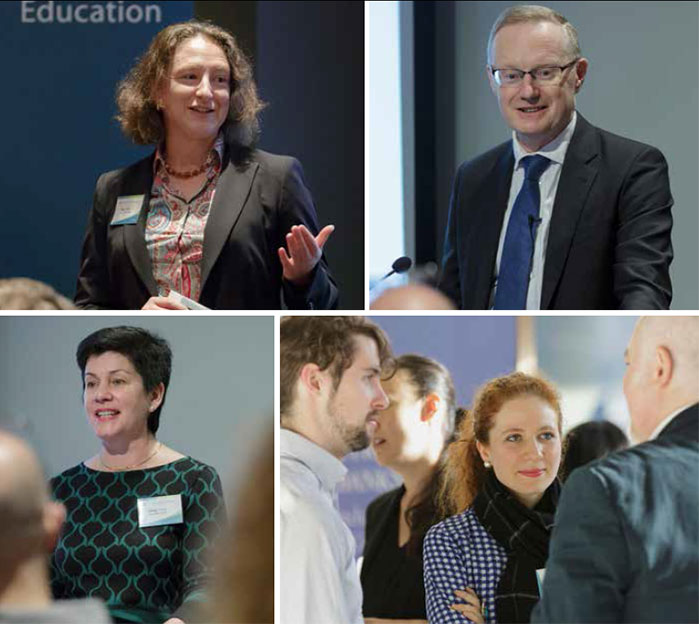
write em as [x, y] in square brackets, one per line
[326, 341]
[464, 472]
[143, 123]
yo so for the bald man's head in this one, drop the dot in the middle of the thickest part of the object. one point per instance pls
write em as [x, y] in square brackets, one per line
[662, 370]
[412, 297]
[30, 522]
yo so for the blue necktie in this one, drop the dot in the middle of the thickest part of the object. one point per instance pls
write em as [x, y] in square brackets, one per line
[518, 251]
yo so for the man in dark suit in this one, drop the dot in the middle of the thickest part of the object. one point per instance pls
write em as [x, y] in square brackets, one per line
[565, 215]
[625, 544]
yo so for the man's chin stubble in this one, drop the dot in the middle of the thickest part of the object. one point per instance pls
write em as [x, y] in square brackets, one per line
[358, 442]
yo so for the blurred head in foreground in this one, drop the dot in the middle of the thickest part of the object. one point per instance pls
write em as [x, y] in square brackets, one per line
[29, 528]
[412, 297]
[22, 293]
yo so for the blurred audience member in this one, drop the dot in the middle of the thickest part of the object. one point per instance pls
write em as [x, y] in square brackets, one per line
[625, 544]
[589, 441]
[412, 297]
[410, 438]
[29, 528]
[22, 293]
[245, 582]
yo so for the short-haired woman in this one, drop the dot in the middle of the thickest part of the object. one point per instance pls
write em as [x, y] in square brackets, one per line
[206, 216]
[501, 482]
[139, 514]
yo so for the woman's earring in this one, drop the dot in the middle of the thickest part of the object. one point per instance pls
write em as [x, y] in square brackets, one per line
[486, 464]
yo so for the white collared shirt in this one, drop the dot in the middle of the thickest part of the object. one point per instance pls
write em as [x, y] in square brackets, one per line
[319, 579]
[666, 421]
[555, 151]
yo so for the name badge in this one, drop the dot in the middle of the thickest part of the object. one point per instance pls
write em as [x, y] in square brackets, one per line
[160, 510]
[127, 209]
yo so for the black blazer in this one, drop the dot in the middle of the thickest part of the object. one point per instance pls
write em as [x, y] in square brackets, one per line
[624, 548]
[609, 240]
[257, 200]
[392, 580]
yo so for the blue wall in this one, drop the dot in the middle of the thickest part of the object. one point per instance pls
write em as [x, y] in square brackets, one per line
[59, 132]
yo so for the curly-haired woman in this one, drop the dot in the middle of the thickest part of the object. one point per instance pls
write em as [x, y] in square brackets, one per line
[207, 215]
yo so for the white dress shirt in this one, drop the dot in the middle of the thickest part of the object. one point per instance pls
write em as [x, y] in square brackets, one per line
[319, 580]
[555, 151]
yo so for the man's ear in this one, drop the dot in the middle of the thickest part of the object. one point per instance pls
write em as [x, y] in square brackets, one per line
[580, 73]
[430, 407]
[664, 366]
[312, 378]
[491, 80]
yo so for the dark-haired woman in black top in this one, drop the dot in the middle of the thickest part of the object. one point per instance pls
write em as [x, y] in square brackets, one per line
[409, 438]
[139, 514]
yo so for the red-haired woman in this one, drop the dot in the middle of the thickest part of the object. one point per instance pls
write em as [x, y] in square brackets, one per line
[501, 482]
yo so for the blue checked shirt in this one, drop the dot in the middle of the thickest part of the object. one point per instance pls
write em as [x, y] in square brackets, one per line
[460, 553]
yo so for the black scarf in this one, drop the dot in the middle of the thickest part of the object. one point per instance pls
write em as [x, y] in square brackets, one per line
[525, 534]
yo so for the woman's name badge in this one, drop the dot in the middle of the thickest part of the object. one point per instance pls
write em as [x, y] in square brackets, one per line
[127, 210]
[160, 510]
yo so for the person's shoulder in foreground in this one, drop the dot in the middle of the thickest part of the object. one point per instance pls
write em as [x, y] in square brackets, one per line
[59, 612]
[625, 544]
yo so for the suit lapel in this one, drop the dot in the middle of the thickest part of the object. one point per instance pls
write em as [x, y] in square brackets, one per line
[135, 235]
[485, 233]
[232, 191]
[579, 172]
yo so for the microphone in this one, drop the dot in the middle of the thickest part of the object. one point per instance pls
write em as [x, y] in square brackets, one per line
[401, 265]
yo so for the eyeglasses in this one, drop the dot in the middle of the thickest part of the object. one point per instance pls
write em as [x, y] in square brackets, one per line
[541, 75]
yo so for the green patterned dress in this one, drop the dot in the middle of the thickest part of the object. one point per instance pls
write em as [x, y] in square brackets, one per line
[144, 574]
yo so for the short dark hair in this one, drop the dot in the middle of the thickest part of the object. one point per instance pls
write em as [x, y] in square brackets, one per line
[328, 342]
[150, 355]
[138, 114]
[589, 441]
